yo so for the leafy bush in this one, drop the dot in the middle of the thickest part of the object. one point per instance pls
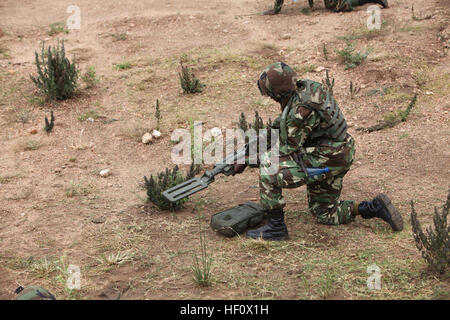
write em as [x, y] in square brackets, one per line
[163, 181]
[435, 244]
[351, 59]
[56, 75]
[189, 83]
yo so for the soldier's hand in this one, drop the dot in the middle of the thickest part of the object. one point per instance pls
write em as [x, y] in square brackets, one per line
[239, 168]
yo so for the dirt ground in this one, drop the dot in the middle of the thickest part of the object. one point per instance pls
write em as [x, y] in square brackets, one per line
[52, 197]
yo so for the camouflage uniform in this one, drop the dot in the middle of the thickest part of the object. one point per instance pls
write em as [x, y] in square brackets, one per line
[313, 134]
[333, 5]
[302, 122]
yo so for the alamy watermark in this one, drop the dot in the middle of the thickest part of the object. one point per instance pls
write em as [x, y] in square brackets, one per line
[374, 279]
[374, 19]
[73, 22]
[74, 279]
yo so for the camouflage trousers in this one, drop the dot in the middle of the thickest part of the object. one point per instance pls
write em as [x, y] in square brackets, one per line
[334, 5]
[323, 190]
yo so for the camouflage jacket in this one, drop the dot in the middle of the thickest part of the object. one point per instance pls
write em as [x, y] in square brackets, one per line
[303, 120]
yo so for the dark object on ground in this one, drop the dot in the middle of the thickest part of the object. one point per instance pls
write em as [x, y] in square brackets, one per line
[236, 220]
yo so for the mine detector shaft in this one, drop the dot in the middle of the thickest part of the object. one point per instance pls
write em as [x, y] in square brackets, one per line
[226, 167]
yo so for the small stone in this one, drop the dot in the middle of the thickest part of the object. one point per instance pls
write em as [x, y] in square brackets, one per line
[147, 138]
[34, 131]
[58, 170]
[156, 134]
[90, 119]
[428, 93]
[319, 69]
[286, 36]
[98, 220]
[105, 172]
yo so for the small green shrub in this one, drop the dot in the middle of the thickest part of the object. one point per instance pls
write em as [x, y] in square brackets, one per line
[325, 51]
[49, 124]
[90, 78]
[391, 119]
[328, 83]
[350, 58]
[56, 76]
[189, 83]
[163, 181]
[57, 27]
[119, 36]
[201, 268]
[158, 116]
[435, 244]
[123, 65]
[354, 90]
[257, 124]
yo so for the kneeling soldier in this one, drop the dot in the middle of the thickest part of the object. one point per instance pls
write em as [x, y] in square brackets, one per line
[313, 134]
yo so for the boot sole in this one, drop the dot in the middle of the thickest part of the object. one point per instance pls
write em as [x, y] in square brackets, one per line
[396, 218]
[283, 238]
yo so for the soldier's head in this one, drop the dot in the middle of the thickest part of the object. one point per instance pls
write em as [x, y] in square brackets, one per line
[278, 81]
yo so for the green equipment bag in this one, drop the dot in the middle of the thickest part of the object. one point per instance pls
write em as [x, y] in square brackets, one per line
[238, 219]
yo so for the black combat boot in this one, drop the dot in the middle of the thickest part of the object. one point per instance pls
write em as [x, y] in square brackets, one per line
[384, 3]
[381, 207]
[274, 230]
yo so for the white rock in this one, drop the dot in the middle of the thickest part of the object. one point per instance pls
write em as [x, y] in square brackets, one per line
[319, 69]
[147, 138]
[90, 119]
[105, 172]
[156, 134]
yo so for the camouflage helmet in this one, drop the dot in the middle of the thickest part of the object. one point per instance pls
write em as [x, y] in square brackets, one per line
[277, 81]
[33, 293]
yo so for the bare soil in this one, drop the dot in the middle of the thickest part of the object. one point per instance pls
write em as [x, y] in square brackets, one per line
[51, 191]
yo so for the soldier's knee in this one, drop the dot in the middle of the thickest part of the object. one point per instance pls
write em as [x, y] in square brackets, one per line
[325, 216]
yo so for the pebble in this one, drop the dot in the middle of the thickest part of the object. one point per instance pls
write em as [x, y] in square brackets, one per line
[156, 134]
[105, 172]
[147, 138]
[319, 69]
[34, 131]
[98, 220]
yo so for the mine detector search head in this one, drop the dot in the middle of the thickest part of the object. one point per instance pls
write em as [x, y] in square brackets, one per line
[195, 185]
